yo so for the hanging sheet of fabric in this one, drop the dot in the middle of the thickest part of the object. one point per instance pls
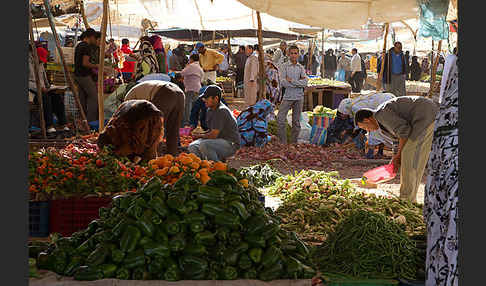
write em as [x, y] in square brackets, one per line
[433, 22]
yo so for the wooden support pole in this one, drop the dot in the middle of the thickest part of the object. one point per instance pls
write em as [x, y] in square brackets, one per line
[380, 76]
[83, 14]
[67, 74]
[309, 60]
[261, 56]
[214, 39]
[101, 67]
[36, 76]
[230, 54]
[434, 70]
[322, 53]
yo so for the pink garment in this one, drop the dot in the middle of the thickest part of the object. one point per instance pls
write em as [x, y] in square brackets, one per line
[193, 74]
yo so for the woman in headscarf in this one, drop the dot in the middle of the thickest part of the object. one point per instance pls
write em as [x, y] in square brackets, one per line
[441, 191]
[147, 63]
[272, 83]
[349, 106]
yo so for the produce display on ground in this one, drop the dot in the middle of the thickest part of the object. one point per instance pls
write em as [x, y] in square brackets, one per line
[260, 175]
[327, 82]
[188, 231]
[369, 245]
[314, 202]
[305, 154]
[80, 169]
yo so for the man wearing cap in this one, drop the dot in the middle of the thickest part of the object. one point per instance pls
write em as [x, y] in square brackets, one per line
[222, 140]
[169, 99]
[210, 60]
[409, 122]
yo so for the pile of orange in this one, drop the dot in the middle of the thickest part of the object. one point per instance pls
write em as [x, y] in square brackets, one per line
[170, 168]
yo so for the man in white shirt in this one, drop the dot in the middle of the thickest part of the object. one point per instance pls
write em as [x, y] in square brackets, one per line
[356, 79]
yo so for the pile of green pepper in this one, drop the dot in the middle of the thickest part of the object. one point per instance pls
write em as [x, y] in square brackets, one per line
[368, 245]
[188, 231]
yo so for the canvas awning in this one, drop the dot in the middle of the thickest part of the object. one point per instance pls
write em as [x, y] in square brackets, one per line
[189, 35]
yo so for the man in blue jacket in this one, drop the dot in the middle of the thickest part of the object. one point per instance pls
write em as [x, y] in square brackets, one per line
[395, 71]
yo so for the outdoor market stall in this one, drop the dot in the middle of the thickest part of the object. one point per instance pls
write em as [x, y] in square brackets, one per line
[325, 92]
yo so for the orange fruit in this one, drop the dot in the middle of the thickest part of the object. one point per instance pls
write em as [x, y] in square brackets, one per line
[174, 170]
[161, 172]
[204, 179]
[220, 166]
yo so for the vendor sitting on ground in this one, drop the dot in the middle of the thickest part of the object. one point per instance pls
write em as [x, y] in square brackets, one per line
[135, 130]
[349, 107]
[222, 140]
[198, 112]
[169, 99]
[409, 123]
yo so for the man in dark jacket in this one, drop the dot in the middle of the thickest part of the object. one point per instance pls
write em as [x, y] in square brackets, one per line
[330, 64]
[395, 69]
[240, 60]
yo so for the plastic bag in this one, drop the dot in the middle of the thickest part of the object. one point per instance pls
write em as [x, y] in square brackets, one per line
[305, 127]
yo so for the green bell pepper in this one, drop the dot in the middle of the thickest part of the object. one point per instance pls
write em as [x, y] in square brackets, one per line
[270, 230]
[86, 246]
[123, 273]
[256, 255]
[87, 273]
[109, 270]
[134, 259]
[235, 238]
[140, 273]
[161, 236]
[231, 257]
[255, 240]
[255, 224]
[172, 274]
[271, 273]
[309, 272]
[172, 225]
[170, 263]
[293, 267]
[135, 210]
[194, 268]
[156, 220]
[92, 227]
[176, 199]
[229, 273]
[150, 187]
[145, 224]
[227, 219]
[213, 274]
[220, 178]
[144, 240]
[117, 255]
[274, 240]
[271, 256]
[98, 256]
[177, 243]
[222, 234]
[43, 261]
[119, 228]
[194, 216]
[156, 249]
[240, 208]
[242, 247]
[207, 194]
[250, 274]
[155, 267]
[73, 264]
[104, 213]
[196, 227]
[205, 238]
[130, 238]
[192, 205]
[195, 249]
[211, 209]
[244, 262]
[159, 206]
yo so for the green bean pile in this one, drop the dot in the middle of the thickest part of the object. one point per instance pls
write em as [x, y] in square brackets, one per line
[368, 245]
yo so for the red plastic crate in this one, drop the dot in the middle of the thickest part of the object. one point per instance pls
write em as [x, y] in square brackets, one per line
[67, 216]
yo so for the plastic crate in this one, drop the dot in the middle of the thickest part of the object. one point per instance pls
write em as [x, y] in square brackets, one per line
[61, 216]
[38, 219]
[70, 215]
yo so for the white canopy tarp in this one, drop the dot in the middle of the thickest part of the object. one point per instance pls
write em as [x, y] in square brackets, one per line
[337, 14]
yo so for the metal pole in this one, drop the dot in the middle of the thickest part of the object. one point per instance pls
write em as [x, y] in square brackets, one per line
[380, 76]
[261, 70]
[36, 76]
[322, 53]
[101, 67]
[67, 74]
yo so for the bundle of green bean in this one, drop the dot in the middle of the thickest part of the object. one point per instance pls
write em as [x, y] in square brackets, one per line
[314, 202]
[368, 245]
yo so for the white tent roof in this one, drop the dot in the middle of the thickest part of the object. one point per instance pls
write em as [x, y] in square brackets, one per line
[337, 14]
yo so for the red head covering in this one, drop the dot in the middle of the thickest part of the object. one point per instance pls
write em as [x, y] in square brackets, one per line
[42, 54]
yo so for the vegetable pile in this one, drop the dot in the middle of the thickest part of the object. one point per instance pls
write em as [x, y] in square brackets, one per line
[301, 154]
[260, 175]
[327, 82]
[170, 168]
[368, 245]
[80, 169]
[218, 231]
[223, 79]
[314, 202]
